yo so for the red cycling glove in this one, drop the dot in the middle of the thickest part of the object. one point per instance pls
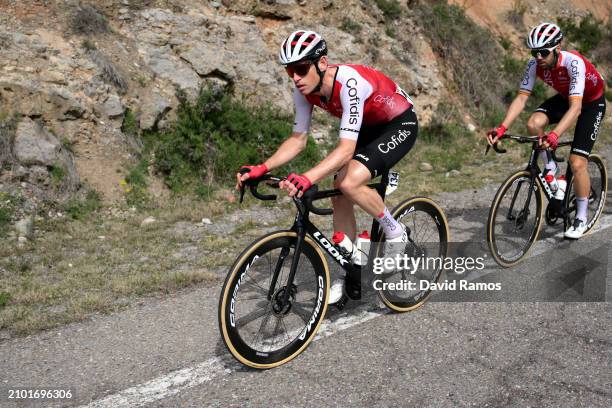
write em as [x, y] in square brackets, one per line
[499, 131]
[552, 138]
[256, 171]
[300, 181]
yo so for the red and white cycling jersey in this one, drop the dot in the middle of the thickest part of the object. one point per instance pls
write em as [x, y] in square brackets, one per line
[360, 96]
[573, 77]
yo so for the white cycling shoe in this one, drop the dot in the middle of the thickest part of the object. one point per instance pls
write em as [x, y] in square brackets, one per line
[576, 230]
[394, 247]
[336, 291]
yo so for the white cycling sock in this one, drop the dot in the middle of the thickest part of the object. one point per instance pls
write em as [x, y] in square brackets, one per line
[548, 164]
[582, 204]
[392, 228]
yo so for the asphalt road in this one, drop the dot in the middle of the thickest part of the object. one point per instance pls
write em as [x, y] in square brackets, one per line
[449, 353]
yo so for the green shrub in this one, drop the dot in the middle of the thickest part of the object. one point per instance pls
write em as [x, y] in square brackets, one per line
[6, 215]
[469, 52]
[88, 45]
[78, 209]
[449, 143]
[513, 66]
[5, 298]
[350, 26]
[587, 34]
[57, 173]
[390, 8]
[9, 204]
[505, 43]
[88, 20]
[130, 124]
[214, 136]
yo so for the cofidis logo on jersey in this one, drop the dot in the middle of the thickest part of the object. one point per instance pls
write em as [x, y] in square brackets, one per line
[351, 84]
[573, 76]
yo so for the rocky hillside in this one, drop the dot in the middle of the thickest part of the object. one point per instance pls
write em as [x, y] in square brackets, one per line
[79, 79]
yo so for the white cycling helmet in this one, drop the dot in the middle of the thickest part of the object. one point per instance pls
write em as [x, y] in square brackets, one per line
[302, 45]
[545, 35]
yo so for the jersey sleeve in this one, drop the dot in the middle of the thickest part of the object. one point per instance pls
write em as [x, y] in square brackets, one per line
[355, 90]
[577, 72]
[303, 112]
[529, 78]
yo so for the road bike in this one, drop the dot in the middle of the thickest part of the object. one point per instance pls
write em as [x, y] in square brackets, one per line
[275, 294]
[515, 217]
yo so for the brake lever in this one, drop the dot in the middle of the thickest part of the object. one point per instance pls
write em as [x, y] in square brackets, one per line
[243, 185]
[241, 193]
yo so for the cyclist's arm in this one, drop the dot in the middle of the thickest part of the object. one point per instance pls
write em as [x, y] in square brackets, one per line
[515, 109]
[341, 155]
[290, 148]
[525, 88]
[297, 141]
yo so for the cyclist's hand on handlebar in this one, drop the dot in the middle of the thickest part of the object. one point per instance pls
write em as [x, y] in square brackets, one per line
[296, 184]
[250, 172]
[551, 139]
[495, 134]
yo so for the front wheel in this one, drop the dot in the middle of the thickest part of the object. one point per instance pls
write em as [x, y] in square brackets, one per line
[515, 218]
[258, 328]
[597, 196]
[428, 239]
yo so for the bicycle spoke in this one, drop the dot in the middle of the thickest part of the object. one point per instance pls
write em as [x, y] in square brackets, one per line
[303, 313]
[263, 324]
[253, 284]
[251, 317]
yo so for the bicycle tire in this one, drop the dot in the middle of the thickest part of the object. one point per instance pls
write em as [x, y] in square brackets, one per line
[251, 267]
[523, 178]
[434, 243]
[597, 206]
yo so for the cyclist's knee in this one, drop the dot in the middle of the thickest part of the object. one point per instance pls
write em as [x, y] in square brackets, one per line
[578, 163]
[349, 184]
[536, 123]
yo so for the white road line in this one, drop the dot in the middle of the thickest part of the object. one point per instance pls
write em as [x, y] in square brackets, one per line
[181, 380]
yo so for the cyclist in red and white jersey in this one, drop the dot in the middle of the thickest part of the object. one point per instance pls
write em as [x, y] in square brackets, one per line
[580, 100]
[378, 126]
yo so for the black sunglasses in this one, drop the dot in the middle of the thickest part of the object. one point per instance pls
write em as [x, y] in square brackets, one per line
[301, 69]
[544, 52]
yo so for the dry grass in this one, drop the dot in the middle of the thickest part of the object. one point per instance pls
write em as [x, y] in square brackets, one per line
[99, 265]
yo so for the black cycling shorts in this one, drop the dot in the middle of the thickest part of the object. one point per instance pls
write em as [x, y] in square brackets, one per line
[587, 125]
[380, 147]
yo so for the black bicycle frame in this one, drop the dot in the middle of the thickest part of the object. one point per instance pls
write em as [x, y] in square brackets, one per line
[302, 226]
[536, 173]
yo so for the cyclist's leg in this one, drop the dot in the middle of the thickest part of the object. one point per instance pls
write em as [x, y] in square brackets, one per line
[386, 147]
[344, 212]
[537, 123]
[549, 112]
[585, 135]
[354, 186]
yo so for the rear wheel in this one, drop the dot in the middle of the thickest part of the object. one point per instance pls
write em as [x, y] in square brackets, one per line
[428, 238]
[597, 196]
